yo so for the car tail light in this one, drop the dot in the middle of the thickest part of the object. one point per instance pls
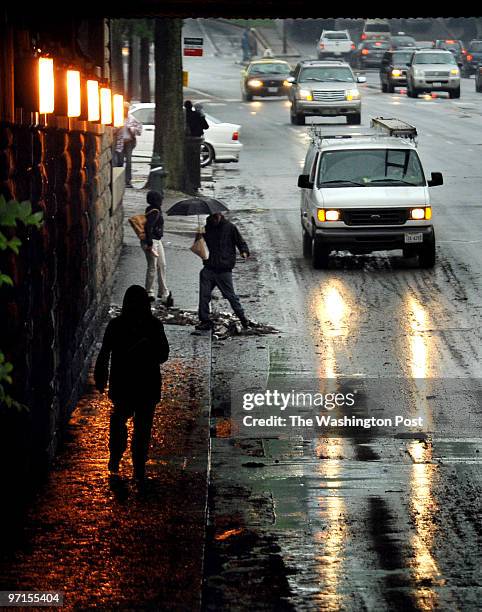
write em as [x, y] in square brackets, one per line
[363, 36]
[469, 57]
[450, 42]
[352, 45]
[322, 46]
[364, 52]
[464, 51]
[235, 136]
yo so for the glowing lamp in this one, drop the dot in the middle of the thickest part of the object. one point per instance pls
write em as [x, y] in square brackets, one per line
[118, 108]
[105, 105]
[73, 93]
[364, 51]
[45, 85]
[93, 101]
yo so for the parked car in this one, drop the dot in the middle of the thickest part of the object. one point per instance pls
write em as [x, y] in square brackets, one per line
[324, 89]
[402, 41]
[393, 69]
[375, 29]
[369, 53]
[433, 70]
[265, 77]
[335, 44]
[364, 193]
[478, 79]
[473, 58]
[221, 140]
[454, 46]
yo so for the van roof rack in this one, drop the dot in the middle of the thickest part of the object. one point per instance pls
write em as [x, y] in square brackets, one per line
[380, 127]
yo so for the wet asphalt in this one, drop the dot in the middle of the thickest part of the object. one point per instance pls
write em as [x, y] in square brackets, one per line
[384, 520]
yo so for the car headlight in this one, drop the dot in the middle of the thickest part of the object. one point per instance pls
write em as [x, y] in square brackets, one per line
[352, 94]
[305, 94]
[455, 71]
[328, 215]
[420, 214]
[287, 83]
[255, 83]
[396, 72]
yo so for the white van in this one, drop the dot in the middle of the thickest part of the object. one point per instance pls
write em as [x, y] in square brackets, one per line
[335, 44]
[366, 193]
[375, 29]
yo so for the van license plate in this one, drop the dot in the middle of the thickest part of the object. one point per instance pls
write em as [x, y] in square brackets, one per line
[436, 84]
[411, 238]
[272, 89]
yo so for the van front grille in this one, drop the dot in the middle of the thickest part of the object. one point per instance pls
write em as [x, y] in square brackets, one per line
[376, 216]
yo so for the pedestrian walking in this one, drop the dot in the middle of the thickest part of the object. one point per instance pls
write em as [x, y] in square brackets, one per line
[253, 43]
[154, 250]
[222, 238]
[195, 120]
[133, 348]
[245, 45]
[126, 142]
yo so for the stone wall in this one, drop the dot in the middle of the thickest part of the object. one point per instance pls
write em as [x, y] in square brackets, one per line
[63, 277]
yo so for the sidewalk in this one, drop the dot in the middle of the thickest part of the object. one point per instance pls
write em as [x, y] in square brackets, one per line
[106, 545]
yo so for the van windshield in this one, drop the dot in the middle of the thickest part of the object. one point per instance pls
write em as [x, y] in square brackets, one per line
[327, 73]
[370, 168]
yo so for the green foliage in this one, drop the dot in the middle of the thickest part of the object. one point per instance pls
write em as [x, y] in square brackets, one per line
[12, 213]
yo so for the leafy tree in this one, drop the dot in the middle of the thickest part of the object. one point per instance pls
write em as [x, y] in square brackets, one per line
[11, 213]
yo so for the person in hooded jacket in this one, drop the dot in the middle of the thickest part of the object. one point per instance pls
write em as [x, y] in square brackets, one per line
[222, 238]
[133, 348]
[154, 250]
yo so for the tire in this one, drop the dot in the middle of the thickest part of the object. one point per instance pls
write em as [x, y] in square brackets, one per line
[478, 88]
[409, 253]
[246, 97]
[454, 93]
[427, 255]
[321, 255]
[384, 87]
[295, 117]
[353, 119]
[390, 87]
[307, 244]
[207, 154]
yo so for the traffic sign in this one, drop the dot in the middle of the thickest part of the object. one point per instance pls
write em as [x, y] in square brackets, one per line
[193, 46]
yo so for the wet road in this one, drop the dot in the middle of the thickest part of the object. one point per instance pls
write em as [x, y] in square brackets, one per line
[375, 522]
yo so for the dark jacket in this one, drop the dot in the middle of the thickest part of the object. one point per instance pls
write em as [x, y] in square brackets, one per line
[196, 123]
[154, 228]
[135, 345]
[222, 240]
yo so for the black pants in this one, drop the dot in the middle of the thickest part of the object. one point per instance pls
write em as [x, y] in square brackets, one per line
[208, 279]
[129, 146]
[143, 417]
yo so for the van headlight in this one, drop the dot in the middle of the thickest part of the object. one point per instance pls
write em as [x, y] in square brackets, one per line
[255, 83]
[455, 72]
[421, 214]
[352, 94]
[396, 72]
[305, 94]
[328, 215]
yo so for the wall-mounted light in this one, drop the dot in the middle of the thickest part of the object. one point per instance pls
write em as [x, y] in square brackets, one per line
[105, 105]
[93, 100]
[46, 103]
[73, 93]
[118, 107]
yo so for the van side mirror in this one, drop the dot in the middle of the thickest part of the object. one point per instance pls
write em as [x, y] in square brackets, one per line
[304, 182]
[437, 179]
[291, 79]
[361, 79]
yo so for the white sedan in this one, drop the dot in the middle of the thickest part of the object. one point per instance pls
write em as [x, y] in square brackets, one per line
[221, 140]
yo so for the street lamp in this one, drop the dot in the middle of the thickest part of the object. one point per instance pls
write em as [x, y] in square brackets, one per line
[46, 97]
[105, 105]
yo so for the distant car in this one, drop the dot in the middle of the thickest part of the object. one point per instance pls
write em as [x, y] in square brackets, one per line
[266, 77]
[473, 58]
[398, 42]
[324, 88]
[335, 44]
[221, 140]
[375, 29]
[369, 53]
[433, 70]
[454, 46]
[393, 69]
[478, 79]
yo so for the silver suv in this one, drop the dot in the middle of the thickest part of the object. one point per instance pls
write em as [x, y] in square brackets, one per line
[433, 70]
[325, 89]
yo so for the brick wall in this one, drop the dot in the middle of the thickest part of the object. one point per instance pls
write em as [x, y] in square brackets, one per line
[63, 277]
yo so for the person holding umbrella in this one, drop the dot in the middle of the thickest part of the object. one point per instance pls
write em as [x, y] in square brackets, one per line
[222, 238]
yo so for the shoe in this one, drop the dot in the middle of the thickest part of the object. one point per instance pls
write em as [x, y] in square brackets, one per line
[168, 301]
[113, 468]
[244, 322]
[204, 325]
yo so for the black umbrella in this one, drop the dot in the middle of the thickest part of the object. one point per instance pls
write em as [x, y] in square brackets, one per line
[201, 205]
